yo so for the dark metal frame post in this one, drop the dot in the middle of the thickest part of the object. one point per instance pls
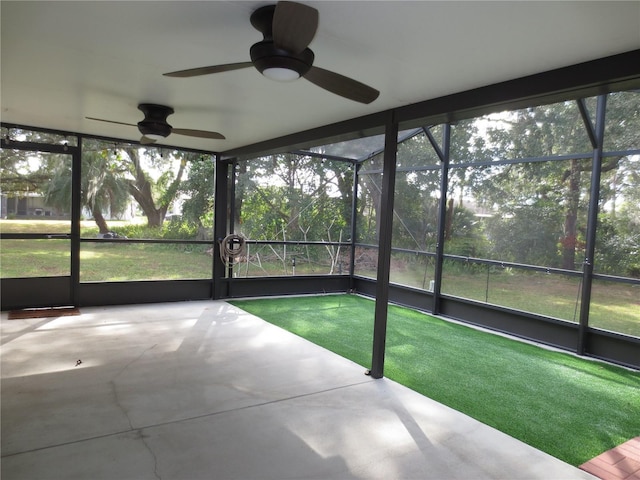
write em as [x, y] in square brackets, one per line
[444, 155]
[587, 270]
[231, 192]
[354, 221]
[220, 226]
[76, 207]
[384, 250]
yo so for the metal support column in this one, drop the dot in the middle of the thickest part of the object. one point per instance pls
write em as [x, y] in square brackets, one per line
[221, 206]
[442, 213]
[76, 207]
[384, 250]
[231, 192]
[587, 270]
[354, 220]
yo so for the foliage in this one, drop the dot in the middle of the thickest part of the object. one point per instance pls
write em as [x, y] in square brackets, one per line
[510, 196]
[294, 198]
[618, 245]
[114, 178]
[466, 235]
[173, 230]
[528, 234]
[103, 191]
[153, 178]
[199, 190]
[22, 172]
[546, 201]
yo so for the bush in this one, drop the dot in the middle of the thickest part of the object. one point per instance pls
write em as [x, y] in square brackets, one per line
[634, 270]
[179, 230]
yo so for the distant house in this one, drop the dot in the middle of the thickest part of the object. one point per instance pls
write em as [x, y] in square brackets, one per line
[28, 206]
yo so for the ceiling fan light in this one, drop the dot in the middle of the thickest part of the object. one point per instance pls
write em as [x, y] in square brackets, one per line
[281, 74]
[154, 136]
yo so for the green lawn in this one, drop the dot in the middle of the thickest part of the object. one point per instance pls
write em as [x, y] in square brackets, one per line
[121, 262]
[99, 262]
[614, 306]
[569, 407]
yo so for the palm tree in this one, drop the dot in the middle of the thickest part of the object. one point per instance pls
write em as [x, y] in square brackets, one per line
[103, 187]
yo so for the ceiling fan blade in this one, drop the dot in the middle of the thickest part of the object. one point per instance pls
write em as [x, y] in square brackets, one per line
[198, 133]
[111, 121]
[146, 141]
[195, 72]
[341, 85]
[294, 26]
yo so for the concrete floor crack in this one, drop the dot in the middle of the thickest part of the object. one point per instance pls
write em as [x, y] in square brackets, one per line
[114, 391]
[138, 431]
[155, 458]
[134, 360]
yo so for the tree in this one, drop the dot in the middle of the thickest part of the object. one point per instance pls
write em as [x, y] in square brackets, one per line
[558, 129]
[198, 207]
[417, 190]
[153, 195]
[293, 197]
[24, 172]
[153, 175]
[19, 175]
[102, 187]
[114, 174]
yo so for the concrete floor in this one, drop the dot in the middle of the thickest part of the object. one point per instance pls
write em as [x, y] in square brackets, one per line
[202, 390]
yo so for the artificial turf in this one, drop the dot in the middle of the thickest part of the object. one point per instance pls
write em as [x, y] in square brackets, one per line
[572, 408]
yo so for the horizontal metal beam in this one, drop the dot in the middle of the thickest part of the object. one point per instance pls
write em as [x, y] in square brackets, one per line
[116, 141]
[613, 73]
[152, 291]
[35, 292]
[35, 146]
[294, 243]
[289, 285]
[595, 77]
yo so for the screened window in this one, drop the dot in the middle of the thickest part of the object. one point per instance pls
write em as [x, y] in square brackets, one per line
[295, 212]
[147, 213]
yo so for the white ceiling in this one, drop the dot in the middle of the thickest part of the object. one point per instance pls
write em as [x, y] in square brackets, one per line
[64, 61]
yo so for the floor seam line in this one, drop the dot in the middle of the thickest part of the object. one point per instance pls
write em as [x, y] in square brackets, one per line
[71, 442]
[246, 407]
[134, 429]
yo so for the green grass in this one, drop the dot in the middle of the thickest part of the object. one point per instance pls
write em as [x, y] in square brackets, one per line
[571, 408]
[614, 306]
[99, 262]
[35, 258]
[129, 262]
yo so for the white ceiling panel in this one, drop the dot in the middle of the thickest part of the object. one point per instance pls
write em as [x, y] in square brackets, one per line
[64, 61]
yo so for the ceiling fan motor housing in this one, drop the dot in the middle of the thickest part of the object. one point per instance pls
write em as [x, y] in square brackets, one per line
[155, 120]
[265, 55]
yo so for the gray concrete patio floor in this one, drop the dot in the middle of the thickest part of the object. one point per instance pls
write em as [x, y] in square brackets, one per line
[203, 390]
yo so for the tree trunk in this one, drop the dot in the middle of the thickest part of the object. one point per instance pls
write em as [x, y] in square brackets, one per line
[100, 221]
[375, 194]
[140, 189]
[448, 224]
[569, 241]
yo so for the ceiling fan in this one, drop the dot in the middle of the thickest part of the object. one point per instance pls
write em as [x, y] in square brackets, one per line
[283, 54]
[154, 127]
